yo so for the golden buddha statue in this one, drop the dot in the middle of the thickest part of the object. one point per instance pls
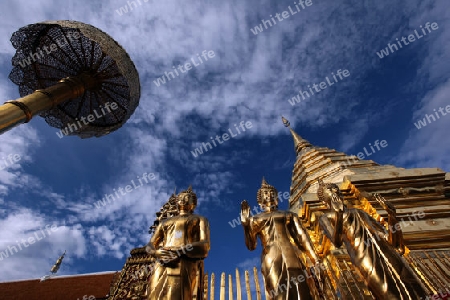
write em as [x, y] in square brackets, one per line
[284, 241]
[179, 244]
[385, 272]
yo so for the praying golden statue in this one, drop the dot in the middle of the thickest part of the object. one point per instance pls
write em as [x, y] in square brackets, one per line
[284, 241]
[179, 244]
[376, 253]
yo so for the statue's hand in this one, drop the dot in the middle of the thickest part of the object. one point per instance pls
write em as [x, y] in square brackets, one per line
[321, 275]
[165, 255]
[387, 206]
[245, 213]
[150, 249]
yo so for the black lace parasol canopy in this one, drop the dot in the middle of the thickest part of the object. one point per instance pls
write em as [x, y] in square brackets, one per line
[50, 51]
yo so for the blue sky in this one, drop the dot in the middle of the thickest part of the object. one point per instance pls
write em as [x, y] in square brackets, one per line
[250, 78]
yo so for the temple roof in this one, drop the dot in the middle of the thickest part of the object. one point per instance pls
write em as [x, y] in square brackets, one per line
[59, 287]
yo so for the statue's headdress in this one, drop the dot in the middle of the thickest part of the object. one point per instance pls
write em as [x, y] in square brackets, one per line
[320, 190]
[265, 185]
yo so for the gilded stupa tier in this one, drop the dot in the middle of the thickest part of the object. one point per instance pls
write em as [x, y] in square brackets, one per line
[314, 162]
[420, 197]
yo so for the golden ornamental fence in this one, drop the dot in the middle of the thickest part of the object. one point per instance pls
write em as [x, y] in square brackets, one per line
[234, 291]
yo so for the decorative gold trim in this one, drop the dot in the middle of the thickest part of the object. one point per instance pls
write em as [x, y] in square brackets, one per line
[23, 107]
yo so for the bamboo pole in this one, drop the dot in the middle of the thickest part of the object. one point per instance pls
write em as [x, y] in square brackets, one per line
[212, 286]
[222, 286]
[230, 287]
[238, 286]
[258, 288]
[205, 287]
[247, 285]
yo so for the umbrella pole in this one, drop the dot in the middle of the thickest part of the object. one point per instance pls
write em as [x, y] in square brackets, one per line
[16, 112]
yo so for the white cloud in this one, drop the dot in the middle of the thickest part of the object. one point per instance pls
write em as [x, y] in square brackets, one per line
[32, 240]
[429, 146]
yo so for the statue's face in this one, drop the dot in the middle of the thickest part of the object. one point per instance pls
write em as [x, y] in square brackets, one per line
[268, 198]
[333, 188]
[328, 193]
[186, 201]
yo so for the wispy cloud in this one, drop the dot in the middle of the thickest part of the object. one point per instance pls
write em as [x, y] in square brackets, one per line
[250, 78]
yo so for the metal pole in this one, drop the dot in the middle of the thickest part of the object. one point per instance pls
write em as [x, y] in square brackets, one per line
[22, 110]
[238, 286]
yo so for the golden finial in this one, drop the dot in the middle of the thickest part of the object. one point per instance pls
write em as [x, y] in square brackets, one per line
[299, 142]
[56, 266]
[285, 122]
[265, 185]
[189, 190]
[264, 182]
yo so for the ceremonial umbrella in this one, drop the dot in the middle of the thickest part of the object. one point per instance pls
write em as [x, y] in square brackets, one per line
[74, 75]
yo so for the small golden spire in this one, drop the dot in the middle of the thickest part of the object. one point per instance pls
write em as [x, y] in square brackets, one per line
[299, 142]
[189, 191]
[56, 266]
[265, 185]
[285, 121]
[264, 182]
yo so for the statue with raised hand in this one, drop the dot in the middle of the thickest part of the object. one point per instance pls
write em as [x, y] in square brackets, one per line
[395, 236]
[284, 241]
[385, 272]
[179, 244]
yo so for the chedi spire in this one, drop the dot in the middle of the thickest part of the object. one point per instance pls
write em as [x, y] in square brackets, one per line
[299, 142]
